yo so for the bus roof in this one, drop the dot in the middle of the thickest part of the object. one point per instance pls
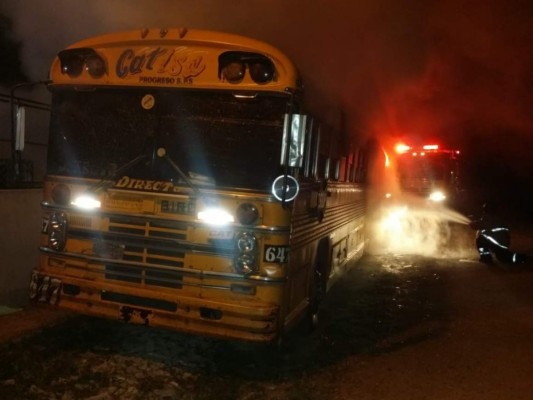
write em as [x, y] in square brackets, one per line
[177, 57]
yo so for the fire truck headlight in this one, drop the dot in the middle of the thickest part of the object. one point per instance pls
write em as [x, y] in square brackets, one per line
[437, 196]
[86, 202]
[215, 216]
[57, 231]
[246, 253]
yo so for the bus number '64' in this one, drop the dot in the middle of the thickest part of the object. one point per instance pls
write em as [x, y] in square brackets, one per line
[277, 254]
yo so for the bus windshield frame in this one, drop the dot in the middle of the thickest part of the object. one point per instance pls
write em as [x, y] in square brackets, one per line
[217, 138]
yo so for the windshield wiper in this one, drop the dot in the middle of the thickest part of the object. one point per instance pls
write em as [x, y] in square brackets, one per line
[162, 153]
[106, 182]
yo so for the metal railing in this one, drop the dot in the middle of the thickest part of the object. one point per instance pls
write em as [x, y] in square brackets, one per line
[21, 169]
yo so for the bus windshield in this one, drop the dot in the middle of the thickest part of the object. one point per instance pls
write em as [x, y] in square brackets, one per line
[216, 138]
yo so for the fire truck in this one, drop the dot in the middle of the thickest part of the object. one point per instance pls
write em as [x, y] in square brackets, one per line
[428, 171]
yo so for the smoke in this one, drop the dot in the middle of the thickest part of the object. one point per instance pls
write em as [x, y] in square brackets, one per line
[467, 84]
[390, 67]
[477, 69]
[460, 72]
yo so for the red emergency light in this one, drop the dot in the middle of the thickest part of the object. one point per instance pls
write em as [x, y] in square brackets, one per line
[402, 148]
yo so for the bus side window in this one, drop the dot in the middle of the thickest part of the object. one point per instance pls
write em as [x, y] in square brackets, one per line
[361, 168]
[336, 164]
[355, 165]
[308, 152]
[342, 170]
[316, 151]
[323, 167]
[312, 149]
[352, 172]
[349, 163]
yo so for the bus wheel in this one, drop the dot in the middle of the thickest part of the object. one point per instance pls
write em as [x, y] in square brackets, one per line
[277, 343]
[315, 299]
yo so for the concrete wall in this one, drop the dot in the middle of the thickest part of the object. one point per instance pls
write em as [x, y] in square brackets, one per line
[20, 226]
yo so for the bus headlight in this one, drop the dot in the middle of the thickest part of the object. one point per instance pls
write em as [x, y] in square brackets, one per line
[86, 202]
[57, 231]
[246, 242]
[246, 264]
[247, 213]
[215, 216]
[246, 253]
[61, 194]
[437, 196]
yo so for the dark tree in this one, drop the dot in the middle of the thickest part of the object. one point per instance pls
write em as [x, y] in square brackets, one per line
[11, 70]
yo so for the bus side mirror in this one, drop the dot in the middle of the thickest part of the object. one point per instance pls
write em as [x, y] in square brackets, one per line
[292, 147]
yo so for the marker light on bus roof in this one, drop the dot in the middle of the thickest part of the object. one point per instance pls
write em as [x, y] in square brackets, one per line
[262, 71]
[431, 147]
[75, 61]
[232, 67]
[233, 72]
[95, 66]
[86, 202]
[72, 66]
[215, 216]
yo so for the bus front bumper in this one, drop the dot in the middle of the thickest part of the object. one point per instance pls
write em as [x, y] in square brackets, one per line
[257, 322]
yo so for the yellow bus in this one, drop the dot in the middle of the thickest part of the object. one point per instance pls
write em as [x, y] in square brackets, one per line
[187, 188]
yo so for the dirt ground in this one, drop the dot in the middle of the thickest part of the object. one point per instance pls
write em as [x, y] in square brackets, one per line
[398, 327]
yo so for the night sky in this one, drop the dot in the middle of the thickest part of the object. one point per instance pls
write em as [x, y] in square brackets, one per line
[456, 72]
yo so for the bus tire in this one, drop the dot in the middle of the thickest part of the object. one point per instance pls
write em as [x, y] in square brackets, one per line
[316, 297]
[278, 342]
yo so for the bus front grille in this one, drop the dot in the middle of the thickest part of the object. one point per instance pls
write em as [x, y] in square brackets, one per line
[143, 251]
[147, 228]
[142, 246]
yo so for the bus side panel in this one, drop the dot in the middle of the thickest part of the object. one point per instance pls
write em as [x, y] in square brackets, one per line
[339, 232]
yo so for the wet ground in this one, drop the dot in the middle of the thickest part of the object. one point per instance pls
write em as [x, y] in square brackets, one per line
[398, 327]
